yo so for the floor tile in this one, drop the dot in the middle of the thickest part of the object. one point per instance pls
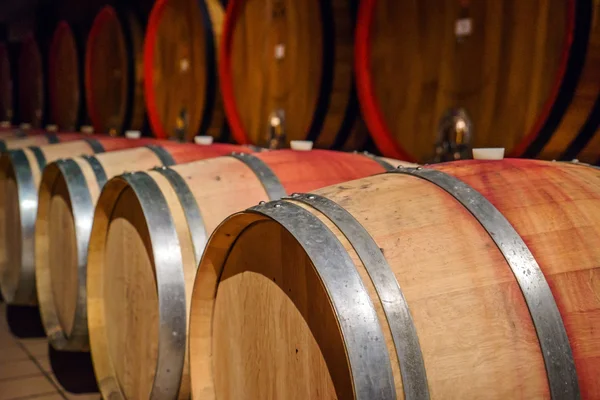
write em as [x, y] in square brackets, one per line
[14, 389]
[55, 396]
[18, 369]
[36, 347]
[11, 354]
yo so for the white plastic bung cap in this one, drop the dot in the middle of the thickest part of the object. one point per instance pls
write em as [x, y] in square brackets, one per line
[203, 140]
[133, 134]
[301, 145]
[489, 153]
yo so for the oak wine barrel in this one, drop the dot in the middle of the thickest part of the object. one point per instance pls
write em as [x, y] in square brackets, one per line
[114, 71]
[65, 78]
[20, 174]
[184, 203]
[180, 69]
[68, 193]
[8, 80]
[525, 73]
[31, 87]
[461, 280]
[37, 138]
[293, 60]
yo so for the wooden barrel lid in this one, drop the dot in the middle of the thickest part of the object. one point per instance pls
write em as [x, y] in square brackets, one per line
[6, 84]
[31, 83]
[180, 80]
[65, 78]
[293, 59]
[506, 63]
[113, 80]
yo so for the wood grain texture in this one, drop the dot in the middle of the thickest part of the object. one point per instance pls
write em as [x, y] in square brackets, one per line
[502, 74]
[474, 328]
[581, 108]
[133, 286]
[62, 255]
[114, 98]
[177, 76]
[275, 61]
[31, 84]
[64, 79]
[220, 187]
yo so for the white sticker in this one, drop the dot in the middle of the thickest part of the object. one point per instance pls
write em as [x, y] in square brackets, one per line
[279, 51]
[463, 27]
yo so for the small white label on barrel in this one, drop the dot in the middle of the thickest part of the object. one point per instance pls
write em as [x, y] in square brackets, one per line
[184, 64]
[52, 128]
[301, 145]
[463, 27]
[87, 129]
[203, 140]
[25, 126]
[489, 153]
[5, 124]
[279, 51]
[133, 134]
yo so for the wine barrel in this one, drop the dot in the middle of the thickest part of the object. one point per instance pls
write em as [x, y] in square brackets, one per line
[525, 73]
[291, 60]
[65, 78]
[31, 89]
[20, 174]
[463, 280]
[192, 198]
[40, 138]
[8, 55]
[180, 77]
[113, 71]
[68, 193]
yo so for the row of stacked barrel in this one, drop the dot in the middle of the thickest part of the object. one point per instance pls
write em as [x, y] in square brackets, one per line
[432, 79]
[463, 279]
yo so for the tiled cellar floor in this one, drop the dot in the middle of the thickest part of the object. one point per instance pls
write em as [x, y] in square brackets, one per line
[25, 371]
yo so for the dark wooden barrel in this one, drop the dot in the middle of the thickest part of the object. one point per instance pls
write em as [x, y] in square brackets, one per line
[293, 59]
[525, 73]
[113, 72]
[180, 69]
[8, 87]
[65, 78]
[193, 199]
[32, 92]
[470, 279]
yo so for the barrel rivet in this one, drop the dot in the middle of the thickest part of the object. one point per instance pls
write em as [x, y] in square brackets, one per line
[295, 194]
[400, 167]
[419, 168]
[311, 197]
[277, 205]
[260, 203]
